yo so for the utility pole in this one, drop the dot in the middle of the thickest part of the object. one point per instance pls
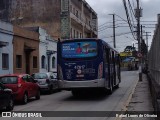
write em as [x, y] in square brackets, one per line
[114, 36]
[147, 39]
[138, 15]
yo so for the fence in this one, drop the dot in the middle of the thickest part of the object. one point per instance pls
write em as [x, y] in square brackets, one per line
[154, 67]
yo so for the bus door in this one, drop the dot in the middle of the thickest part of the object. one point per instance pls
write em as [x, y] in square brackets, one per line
[107, 64]
[114, 68]
[118, 68]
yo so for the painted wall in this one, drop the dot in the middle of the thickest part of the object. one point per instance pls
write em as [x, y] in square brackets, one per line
[6, 35]
[47, 44]
[24, 41]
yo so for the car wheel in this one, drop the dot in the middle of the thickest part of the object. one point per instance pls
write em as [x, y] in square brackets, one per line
[25, 98]
[10, 105]
[50, 89]
[38, 95]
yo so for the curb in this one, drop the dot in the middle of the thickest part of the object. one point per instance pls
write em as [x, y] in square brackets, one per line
[128, 100]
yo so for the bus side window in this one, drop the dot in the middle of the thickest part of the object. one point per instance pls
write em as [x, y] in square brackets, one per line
[110, 57]
[107, 55]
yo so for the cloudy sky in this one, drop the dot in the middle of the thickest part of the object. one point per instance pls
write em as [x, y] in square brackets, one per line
[105, 7]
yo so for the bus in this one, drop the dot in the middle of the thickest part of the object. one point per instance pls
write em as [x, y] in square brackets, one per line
[87, 64]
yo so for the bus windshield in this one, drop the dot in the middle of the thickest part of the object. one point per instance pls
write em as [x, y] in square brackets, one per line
[85, 49]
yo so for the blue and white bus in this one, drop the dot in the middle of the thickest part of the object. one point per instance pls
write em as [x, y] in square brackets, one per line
[87, 64]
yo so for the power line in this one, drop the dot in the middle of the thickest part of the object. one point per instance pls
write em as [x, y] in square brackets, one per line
[128, 18]
[131, 12]
[120, 34]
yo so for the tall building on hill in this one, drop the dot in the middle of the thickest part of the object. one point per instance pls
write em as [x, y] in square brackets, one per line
[61, 18]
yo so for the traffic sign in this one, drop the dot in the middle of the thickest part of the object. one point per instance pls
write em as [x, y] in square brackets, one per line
[139, 54]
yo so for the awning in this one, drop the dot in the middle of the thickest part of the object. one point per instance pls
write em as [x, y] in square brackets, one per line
[3, 44]
[28, 48]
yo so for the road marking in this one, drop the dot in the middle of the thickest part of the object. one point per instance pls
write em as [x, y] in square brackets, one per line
[128, 100]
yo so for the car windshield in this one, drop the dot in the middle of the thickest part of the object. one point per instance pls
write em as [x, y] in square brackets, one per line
[40, 76]
[8, 80]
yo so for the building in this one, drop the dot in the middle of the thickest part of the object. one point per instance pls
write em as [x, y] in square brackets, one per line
[78, 20]
[60, 18]
[25, 51]
[47, 52]
[6, 48]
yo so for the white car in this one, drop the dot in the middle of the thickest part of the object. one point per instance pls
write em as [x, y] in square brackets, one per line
[47, 81]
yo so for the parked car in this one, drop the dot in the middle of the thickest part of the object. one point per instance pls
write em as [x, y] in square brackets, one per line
[6, 98]
[47, 81]
[22, 85]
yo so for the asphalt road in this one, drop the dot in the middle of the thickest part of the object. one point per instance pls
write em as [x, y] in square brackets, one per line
[64, 101]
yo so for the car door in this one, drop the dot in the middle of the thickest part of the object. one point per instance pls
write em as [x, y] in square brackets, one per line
[28, 86]
[33, 85]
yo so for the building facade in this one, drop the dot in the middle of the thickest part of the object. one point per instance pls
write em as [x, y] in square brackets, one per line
[60, 18]
[47, 52]
[25, 51]
[6, 48]
[78, 20]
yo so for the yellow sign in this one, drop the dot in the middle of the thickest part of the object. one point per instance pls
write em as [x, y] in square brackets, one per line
[124, 54]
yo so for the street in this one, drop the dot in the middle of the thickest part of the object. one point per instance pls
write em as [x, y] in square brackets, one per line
[64, 101]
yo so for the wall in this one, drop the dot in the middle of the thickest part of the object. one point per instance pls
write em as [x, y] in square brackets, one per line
[47, 43]
[24, 38]
[31, 13]
[6, 35]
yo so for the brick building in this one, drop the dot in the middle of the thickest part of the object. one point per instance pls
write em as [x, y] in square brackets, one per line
[61, 18]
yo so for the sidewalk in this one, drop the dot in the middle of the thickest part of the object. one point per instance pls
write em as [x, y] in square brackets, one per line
[141, 99]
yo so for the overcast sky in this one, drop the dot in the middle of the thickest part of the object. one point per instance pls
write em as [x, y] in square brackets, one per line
[105, 7]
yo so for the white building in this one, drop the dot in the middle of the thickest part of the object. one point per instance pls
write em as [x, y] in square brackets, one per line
[47, 52]
[6, 48]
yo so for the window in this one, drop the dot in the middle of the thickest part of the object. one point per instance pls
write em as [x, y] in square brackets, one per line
[5, 61]
[80, 16]
[70, 8]
[80, 35]
[77, 34]
[30, 79]
[74, 33]
[64, 5]
[53, 62]
[25, 78]
[74, 11]
[9, 80]
[18, 61]
[77, 13]
[71, 33]
[34, 62]
[43, 61]
[40, 76]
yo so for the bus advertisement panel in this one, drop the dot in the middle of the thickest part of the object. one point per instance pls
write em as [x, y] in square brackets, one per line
[79, 50]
